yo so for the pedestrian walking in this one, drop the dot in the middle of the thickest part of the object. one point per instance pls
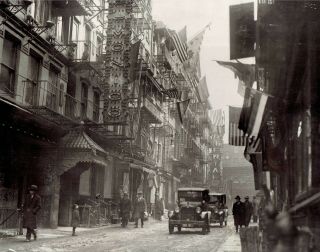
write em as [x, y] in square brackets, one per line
[159, 208]
[125, 209]
[238, 213]
[248, 209]
[75, 221]
[254, 209]
[31, 207]
[139, 209]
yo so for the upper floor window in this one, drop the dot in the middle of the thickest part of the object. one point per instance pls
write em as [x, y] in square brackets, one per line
[8, 64]
[96, 106]
[42, 11]
[33, 77]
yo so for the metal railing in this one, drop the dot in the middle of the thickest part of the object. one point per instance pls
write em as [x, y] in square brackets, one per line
[45, 94]
[85, 51]
[97, 213]
[9, 218]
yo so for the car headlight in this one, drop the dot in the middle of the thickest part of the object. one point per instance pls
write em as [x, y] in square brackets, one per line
[221, 212]
[198, 210]
[170, 214]
[177, 210]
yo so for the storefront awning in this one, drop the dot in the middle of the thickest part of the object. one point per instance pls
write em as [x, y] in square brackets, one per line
[78, 139]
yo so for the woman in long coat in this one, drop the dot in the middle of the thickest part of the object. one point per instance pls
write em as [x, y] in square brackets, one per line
[31, 207]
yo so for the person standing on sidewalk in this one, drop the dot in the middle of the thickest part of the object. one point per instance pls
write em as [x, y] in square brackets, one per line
[75, 221]
[125, 209]
[31, 207]
[248, 210]
[238, 213]
[140, 207]
[254, 209]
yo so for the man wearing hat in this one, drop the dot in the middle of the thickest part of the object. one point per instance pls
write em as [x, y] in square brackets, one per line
[140, 206]
[238, 213]
[248, 210]
[31, 207]
[125, 208]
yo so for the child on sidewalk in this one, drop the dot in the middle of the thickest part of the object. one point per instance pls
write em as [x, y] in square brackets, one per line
[75, 218]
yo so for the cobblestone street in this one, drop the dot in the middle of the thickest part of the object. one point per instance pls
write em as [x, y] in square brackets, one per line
[153, 237]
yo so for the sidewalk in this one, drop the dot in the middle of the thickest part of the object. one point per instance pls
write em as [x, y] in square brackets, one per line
[50, 233]
[232, 244]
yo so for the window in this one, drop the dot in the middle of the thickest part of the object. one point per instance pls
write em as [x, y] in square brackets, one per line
[8, 64]
[52, 90]
[96, 106]
[99, 46]
[33, 76]
[84, 100]
[75, 30]
[42, 11]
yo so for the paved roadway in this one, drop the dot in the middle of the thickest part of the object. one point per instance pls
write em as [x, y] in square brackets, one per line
[153, 237]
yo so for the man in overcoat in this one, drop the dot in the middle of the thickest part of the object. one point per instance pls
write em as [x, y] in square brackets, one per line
[238, 213]
[248, 210]
[31, 207]
[140, 207]
[125, 209]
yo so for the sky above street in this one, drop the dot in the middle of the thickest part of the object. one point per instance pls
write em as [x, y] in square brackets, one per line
[196, 14]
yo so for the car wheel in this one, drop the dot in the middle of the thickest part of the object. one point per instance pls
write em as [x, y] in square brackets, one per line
[179, 228]
[171, 229]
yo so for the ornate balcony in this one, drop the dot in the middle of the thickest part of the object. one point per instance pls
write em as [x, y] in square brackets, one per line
[71, 7]
[151, 111]
[50, 102]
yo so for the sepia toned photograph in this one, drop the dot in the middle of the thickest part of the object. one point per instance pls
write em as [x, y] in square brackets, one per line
[159, 126]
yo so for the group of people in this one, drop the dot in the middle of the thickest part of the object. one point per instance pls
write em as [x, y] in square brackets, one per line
[244, 211]
[139, 208]
[32, 205]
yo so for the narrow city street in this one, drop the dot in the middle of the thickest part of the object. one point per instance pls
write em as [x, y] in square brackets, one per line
[153, 237]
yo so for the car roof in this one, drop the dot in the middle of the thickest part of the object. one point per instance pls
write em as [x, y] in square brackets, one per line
[192, 189]
[218, 194]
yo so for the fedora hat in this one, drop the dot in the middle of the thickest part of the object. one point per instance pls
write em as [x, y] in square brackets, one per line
[33, 188]
[237, 197]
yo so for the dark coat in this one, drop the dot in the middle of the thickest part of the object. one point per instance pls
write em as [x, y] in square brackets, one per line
[30, 210]
[75, 221]
[125, 208]
[140, 206]
[248, 211]
[238, 211]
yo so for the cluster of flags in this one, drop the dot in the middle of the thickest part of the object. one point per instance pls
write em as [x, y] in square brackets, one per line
[189, 55]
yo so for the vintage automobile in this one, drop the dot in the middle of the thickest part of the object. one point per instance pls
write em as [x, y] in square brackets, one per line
[192, 210]
[218, 208]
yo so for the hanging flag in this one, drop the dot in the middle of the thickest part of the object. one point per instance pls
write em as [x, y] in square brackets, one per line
[183, 35]
[241, 88]
[244, 72]
[172, 93]
[218, 121]
[258, 105]
[182, 108]
[134, 53]
[180, 47]
[253, 146]
[236, 136]
[194, 47]
[203, 89]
